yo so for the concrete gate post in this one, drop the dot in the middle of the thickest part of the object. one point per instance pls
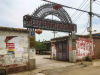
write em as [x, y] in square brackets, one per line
[31, 50]
[72, 47]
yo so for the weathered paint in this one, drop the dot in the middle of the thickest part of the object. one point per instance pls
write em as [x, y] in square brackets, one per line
[71, 52]
[62, 52]
[13, 49]
[53, 47]
[82, 48]
[13, 53]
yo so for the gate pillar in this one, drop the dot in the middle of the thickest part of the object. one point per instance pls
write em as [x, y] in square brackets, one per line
[72, 46]
[31, 50]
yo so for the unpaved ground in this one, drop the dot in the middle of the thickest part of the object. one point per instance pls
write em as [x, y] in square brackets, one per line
[53, 67]
[43, 63]
[87, 68]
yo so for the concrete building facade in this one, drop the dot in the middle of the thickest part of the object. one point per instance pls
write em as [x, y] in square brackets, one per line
[14, 49]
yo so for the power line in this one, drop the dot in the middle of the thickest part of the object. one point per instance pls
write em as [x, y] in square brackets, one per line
[66, 6]
[98, 15]
[78, 16]
[86, 26]
[97, 3]
[81, 13]
[73, 8]
[78, 8]
[57, 34]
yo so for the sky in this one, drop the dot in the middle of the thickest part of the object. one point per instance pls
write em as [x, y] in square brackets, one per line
[12, 12]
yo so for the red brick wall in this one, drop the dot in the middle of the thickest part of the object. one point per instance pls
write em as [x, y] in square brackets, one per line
[16, 69]
[96, 48]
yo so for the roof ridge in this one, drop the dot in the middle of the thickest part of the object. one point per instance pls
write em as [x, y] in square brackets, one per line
[11, 28]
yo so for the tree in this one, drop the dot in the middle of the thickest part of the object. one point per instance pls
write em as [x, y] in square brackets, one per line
[41, 46]
[38, 45]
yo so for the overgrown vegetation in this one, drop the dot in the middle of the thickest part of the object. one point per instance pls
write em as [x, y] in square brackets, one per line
[42, 47]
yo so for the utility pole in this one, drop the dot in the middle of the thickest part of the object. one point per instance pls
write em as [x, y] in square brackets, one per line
[90, 28]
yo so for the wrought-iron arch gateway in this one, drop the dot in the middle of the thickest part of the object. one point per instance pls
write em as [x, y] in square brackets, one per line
[37, 19]
[47, 9]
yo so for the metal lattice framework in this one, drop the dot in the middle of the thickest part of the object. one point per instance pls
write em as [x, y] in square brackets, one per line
[37, 19]
[47, 9]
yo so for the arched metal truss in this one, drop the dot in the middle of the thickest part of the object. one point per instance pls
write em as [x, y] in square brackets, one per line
[47, 9]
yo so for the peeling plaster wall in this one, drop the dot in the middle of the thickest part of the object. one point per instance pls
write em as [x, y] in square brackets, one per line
[82, 48]
[16, 54]
[53, 47]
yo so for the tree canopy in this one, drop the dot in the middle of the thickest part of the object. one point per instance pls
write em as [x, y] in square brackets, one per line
[41, 45]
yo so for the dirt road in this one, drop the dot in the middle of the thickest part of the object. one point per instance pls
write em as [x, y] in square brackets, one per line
[43, 63]
[78, 69]
[53, 67]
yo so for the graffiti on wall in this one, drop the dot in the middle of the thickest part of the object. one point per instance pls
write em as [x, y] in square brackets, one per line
[83, 47]
[13, 51]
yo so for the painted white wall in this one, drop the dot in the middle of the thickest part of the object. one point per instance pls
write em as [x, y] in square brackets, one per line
[53, 47]
[22, 43]
[2, 42]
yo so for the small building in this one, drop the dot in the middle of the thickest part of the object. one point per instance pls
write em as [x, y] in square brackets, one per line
[61, 47]
[14, 49]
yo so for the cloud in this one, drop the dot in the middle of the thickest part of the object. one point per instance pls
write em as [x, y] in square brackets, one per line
[12, 12]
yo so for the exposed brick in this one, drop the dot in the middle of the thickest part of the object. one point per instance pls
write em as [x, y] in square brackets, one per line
[17, 69]
[96, 49]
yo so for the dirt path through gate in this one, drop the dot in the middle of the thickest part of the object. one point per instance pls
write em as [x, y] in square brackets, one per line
[43, 63]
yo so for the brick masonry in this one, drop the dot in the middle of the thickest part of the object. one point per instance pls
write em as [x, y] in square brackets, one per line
[16, 69]
[96, 48]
